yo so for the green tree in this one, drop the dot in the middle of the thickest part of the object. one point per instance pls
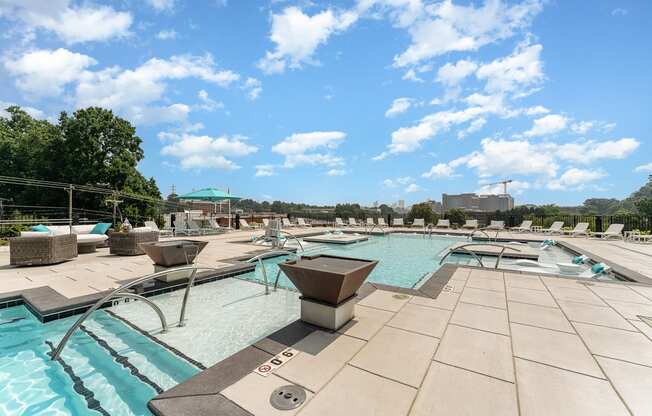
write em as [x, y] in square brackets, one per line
[422, 210]
[644, 207]
[90, 147]
[456, 216]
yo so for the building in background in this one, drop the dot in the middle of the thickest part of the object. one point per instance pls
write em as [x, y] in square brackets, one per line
[436, 206]
[478, 203]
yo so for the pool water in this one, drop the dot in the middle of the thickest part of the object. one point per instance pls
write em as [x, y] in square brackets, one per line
[407, 260]
[90, 380]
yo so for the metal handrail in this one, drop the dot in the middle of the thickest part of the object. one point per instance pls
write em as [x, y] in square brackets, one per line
[116, 293]
[294, 237]
[158, 310]
[428, 228]
[373, 227]
[268, 254]
[485, 233]
[463, 247]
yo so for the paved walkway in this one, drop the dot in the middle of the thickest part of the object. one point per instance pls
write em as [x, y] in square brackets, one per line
[494, 344]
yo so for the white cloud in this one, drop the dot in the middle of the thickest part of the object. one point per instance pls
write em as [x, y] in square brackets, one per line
[45, 72]
[505, 157]
[207, 103]
[395, 183]
[475, 126]
[166, 34]
[536, 110]
[575, 178]
[590, 151]
[644, 168]
[34, 112]
[452, 74]
[547, 125]
[446, 27]
[522, 69]
[336, 172]
[411, 75]
[297, 35]
[440, 170]
[162, 5]
[253, 87]
[399, 106]
[619, 11]
[198, 152]
[413, 187]
[71, 24]
[265, 170]
[301, 148]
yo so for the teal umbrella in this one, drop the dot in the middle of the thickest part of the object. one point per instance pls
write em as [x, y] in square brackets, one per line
[211, 194]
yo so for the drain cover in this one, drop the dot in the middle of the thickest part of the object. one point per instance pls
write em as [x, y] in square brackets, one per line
[398, 296]
[287, 397]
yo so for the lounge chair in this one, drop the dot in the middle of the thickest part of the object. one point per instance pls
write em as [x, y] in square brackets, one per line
[443, 224]
[180, 228]
[419, 222]
[265, 222]
[471, 224]
[192, 225]
[245, 225]
[370, 221]
[339, 222]
[582, 228]
[496, 225]
[381, 222]
[555, 228]
[302, 223]
[215, 226]
[154, 227]
[352, 222]
[614, 230]
[286, 223]
[398, 222]
[525, 226]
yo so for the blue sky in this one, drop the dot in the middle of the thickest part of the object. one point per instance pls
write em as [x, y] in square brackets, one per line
[353, 101]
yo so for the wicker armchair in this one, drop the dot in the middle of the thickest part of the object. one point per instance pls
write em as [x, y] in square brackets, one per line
[32, 251]
[127, 244]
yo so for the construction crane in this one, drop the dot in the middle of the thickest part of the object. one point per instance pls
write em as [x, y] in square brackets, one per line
[504, 183]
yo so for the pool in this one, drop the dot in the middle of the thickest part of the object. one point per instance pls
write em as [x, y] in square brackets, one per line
[407, 260]
[110, 368]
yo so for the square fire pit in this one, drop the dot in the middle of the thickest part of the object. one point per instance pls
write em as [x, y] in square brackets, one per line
[328, 285]
[166, 254]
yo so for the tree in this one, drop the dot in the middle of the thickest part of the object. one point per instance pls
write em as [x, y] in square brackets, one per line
[456, 216]
[90, 147]
[644, 207]
[422, 210]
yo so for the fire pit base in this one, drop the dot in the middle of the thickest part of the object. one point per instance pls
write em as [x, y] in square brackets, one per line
[172, 276]
[325, 315]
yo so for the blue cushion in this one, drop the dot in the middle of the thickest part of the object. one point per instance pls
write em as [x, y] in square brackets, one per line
[101, 228]
[598, 268]
[41, 228]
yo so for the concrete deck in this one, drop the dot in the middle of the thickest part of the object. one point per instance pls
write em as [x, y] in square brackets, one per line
[491, 343]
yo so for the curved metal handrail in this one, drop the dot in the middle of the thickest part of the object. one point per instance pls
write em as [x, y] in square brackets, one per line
[115, 293]
[268, 254]
[428, 228]
[294, 237]
[482, 230]
[463, 247]
[158, 310]
[373, 227]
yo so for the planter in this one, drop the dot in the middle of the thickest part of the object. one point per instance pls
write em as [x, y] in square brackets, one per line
[328, 285]
[173, 253]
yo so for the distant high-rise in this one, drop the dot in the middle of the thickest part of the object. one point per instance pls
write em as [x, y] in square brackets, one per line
[474, 202]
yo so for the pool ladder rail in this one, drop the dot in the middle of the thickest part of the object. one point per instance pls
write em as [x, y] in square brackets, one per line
[475, 256]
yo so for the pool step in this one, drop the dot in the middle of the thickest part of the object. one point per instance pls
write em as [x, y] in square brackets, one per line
[154, 361]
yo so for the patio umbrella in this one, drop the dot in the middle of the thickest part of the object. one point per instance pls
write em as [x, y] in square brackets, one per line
[211, 194]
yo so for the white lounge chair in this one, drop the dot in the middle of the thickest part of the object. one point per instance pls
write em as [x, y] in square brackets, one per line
[381, 222]
[339, 222]
[525, 226]
[245, 225]
[398, 222]
[555, 228]
[302, 223]
[352, 222]
[266, 222]
[215, 226]
[582, 228]
[443, 224]
[419, 222]
[287, 223]
[496, 225]
[154, 227]
[180, 228]
[614, 230]
[370, 221]
[471, 224]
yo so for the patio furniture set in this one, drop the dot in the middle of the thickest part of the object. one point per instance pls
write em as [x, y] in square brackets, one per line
[58, 243]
